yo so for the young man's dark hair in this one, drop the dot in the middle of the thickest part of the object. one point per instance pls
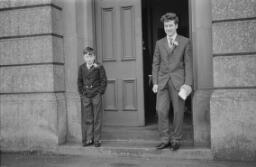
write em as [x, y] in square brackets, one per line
[170, 16]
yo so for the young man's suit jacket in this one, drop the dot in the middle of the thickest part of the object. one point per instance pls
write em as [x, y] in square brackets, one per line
[174, 64]
[91, 81]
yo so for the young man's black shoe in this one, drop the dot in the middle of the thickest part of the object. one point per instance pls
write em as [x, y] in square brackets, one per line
[97, 144]
[162, 146]
[174, 146]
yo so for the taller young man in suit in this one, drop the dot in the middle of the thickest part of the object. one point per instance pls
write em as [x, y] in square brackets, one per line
[171, 71]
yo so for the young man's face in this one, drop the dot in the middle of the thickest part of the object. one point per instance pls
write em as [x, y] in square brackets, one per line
[89, 58]
[170, 27]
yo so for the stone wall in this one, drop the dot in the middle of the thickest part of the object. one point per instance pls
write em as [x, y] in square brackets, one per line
[233, 102]
[32, 85]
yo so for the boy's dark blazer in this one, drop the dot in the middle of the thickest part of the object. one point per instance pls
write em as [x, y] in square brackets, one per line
[174, 64]
[91, 81]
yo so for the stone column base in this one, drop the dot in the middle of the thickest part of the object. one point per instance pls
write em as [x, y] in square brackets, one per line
[74, 117]
[32, 121]
[201, 117]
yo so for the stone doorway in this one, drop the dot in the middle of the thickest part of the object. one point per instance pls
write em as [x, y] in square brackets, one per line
[199, 16]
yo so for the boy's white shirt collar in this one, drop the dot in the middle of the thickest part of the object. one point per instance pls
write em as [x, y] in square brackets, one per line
[89, 67]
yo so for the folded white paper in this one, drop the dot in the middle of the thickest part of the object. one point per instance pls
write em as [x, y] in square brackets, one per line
[185, 91]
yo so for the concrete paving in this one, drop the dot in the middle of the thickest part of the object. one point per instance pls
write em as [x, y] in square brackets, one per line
[121, 147]
[36, 159]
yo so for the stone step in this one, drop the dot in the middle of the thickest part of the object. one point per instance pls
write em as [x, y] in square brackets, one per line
[140, 133]
[137, 142]
[134, 149]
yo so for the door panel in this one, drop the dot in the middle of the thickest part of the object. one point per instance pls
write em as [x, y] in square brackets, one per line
[119, 49]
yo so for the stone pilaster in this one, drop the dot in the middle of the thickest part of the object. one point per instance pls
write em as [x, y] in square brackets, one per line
[233, 102]
[32, 87]
[78, 33]
[202, 67]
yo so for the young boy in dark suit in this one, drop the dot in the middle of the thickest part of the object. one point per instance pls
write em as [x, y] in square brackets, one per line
[92, 82]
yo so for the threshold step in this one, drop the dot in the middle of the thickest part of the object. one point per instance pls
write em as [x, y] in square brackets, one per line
[146, 150]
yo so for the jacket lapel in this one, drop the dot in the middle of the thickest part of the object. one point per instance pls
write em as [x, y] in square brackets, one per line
[178, 40]
[86, 71]
[176, 46]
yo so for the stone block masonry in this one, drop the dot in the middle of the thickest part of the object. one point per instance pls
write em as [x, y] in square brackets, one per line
[232, 103]
[32, 85]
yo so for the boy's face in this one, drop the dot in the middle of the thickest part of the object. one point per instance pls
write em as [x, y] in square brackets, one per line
[89, 58]
[170, 27]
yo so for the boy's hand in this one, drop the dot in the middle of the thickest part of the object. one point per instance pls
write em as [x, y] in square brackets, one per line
[155, 87]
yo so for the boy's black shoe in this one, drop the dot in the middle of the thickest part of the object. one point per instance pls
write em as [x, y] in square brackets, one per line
[88, 143]
[97, 144]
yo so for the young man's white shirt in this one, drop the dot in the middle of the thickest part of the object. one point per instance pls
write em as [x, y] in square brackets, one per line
[171, 39]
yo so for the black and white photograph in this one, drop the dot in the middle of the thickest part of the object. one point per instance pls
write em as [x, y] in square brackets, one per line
[128, 83]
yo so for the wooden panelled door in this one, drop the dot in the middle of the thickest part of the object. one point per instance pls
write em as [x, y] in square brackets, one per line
[119, 49]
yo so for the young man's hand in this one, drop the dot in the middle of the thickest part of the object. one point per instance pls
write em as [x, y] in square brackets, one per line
[155, 87]
[185, 91]
[188, 88]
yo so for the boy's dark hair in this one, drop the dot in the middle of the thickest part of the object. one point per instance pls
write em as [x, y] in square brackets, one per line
[88, 50]
[170, 16]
